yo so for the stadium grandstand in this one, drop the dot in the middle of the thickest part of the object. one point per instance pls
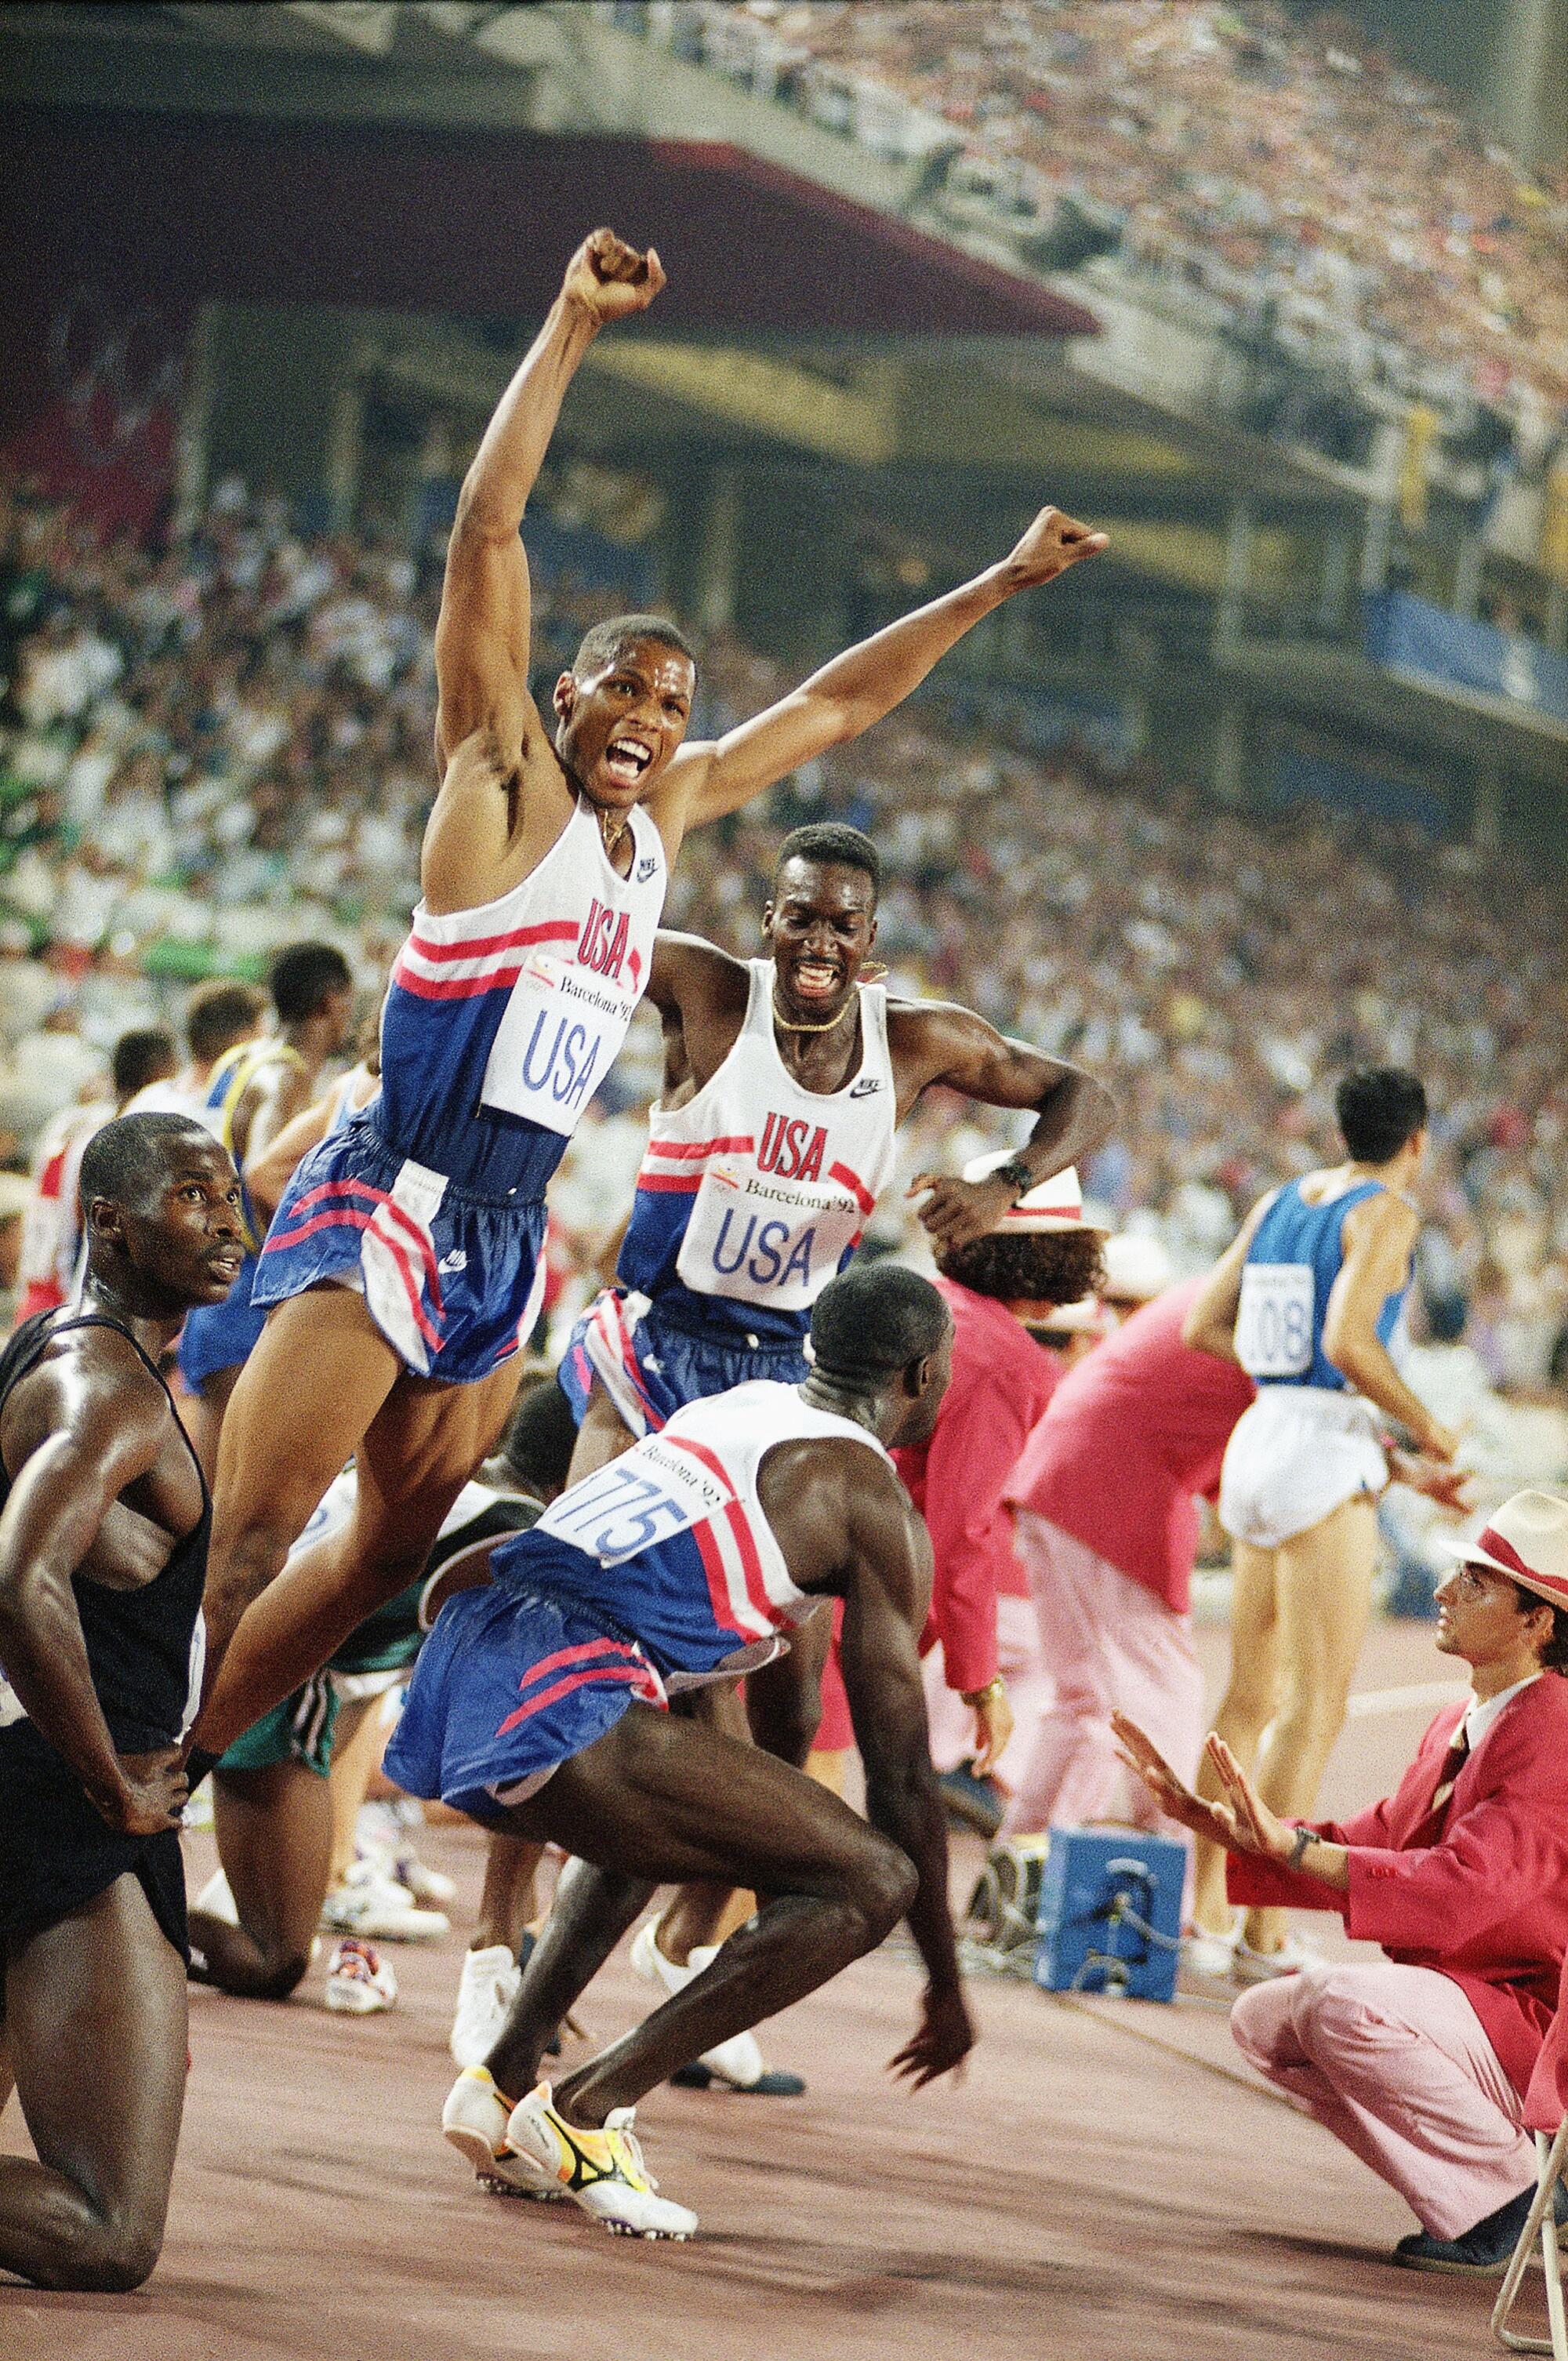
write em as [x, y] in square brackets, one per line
[1276, 788]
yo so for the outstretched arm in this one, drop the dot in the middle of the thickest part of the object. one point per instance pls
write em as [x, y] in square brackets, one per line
[57, 1506]
[884, 1608]
[858, 687]
[963, 1052]
[1211, 1323]
[482, 636]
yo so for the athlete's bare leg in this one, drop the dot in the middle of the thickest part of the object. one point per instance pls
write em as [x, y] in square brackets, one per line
[1323, 1591]
[416, 1443]
[602, 1436]
[274, 1827]
[274, 1832]
[661, 1799]
[96, 2026]
[357, 1745]
[208, 1411]
[1245, 1712]
[511, 1895]
[319, 1372]
[781, 1710]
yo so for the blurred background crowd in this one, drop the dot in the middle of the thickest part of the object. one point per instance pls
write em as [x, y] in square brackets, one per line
[211, 748]
[1319, 193]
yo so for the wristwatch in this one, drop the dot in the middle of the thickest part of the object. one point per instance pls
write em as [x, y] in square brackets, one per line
[1304, 1837]
[975, 1698]
[1017, 1175]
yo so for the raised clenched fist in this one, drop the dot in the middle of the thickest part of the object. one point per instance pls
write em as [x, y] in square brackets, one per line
[610, 279]
[1052, 544]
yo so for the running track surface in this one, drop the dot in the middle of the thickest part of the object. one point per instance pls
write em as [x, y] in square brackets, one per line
[1106, 2182]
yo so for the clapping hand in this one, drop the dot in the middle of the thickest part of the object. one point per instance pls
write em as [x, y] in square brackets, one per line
[1241, 1821]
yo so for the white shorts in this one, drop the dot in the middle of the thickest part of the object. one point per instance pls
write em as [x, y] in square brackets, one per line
[1296, 1454]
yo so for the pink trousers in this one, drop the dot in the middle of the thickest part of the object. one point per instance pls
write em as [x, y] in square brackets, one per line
[1108, 1645]
[1394, 2062]
[1028, 1680]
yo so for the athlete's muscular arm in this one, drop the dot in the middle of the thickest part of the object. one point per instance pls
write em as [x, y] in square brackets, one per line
[885, 1602]
[1378, 1236]
[955, 1047]
[1211, 1323]
[488, 735]
[700, 994]
[857, 687]
[112, 1427]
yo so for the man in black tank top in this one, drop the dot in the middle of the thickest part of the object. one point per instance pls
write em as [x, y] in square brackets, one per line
[103, 1559]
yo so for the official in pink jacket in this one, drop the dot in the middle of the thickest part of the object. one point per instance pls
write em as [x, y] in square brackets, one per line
[1038, 1257]
[1105, 1496]
[1419, 2063]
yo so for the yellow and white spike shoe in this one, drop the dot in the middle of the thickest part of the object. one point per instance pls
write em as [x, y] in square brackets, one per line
[475, 2121]
[602, 2171]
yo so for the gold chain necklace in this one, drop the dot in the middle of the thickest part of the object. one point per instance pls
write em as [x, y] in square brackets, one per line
[789, 1025]
[609, 838]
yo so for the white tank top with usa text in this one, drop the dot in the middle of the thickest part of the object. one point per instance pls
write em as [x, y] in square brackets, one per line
[756, 1191]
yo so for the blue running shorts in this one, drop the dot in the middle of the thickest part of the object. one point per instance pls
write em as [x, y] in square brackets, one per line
[650, 1367]
[453, 1281]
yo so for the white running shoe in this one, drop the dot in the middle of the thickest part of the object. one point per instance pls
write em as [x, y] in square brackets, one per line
[475, 2121]
[602, 2171]
[359, 1982]
[380, 1835]
[1261, 1967]
[485, 1995]
[369, 1902]
[1204, 1953]
[738, 2061]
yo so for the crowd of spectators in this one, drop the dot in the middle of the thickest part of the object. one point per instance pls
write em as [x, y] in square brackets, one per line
[210, 751]
[1325, 197]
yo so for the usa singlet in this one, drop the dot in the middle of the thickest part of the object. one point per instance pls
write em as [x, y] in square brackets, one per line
[657, 1573]
[751, 1198]
[500, 1023]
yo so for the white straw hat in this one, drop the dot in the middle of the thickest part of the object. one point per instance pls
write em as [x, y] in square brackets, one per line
[1528, 1540]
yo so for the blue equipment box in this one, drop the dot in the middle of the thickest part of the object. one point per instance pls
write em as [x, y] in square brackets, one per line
[1109, 1916]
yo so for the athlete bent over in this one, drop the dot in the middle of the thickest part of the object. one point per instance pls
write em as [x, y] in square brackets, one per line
[405, 1257]
[536, 1706]
[102, 1555]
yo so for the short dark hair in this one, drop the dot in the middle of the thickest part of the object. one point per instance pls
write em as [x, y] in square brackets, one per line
[303, 976]
[831, 844]
[873, 1319]
[1554, 1655]
[1380, 1108]
[219, 1014]
[540, 1440]
[604, 642]
[1028, 1265]
[145, 1055]
[129, 1157]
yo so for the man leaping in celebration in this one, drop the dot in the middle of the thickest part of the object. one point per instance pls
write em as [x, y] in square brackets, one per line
[404, 1259]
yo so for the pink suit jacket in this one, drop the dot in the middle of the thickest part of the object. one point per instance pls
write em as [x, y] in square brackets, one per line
[1483, 1900]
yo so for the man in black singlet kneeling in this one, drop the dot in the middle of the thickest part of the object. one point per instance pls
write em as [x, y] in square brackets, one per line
[103, 1558]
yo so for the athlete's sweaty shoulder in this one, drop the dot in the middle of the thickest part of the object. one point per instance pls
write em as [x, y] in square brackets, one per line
[500, 809]
[834, 1505]
[90, 1383]
[1385, 1223]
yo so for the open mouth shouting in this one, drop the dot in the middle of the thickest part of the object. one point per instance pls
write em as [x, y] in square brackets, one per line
[815, 980]
[627, 761]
